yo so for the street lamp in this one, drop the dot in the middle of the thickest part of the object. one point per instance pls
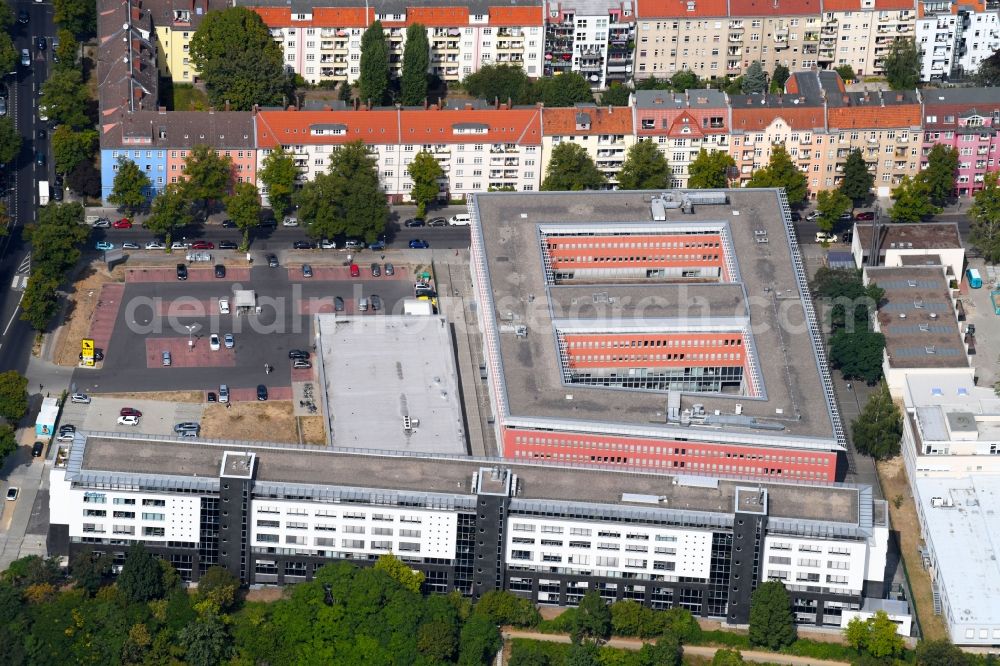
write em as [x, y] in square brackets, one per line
[191, 329]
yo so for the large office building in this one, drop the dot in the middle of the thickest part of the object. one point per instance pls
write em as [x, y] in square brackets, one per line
[669, 331]
[273, 515]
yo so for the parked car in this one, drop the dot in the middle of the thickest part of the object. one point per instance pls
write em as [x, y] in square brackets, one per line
[25, 58]
[179, 245]
[129, 411]
[376, 302]
[104, 246]
[376, 271]
[289, 221]
[796, 217]
[182, 272]
[825, 237]
[437, 222]
[327, 244]
[40, 43]
[294, 354]
[812, 215]
[37, 449]
[101, 222]
[155, 245]
[864, 215]
[167, 361]
[338, 304]
[98, 355]
[847, 237]
[228, 224]
[66, 435]
[12, 493]
[214, 343]
[417, 244]
[390, 270]
[414, 222]
[302, 245]
[307, 271]
[187, 426]
[223, 306]
[229, 340]
[211, 397]
[845, 217]
[272, 260]
[203, 245]
[223, 393]
[300, 364]
[128, 420]
[220, 271]
[80, 398]
[22, 17]
[228, 245]
[354, 244]
[261, 392]
[355, 271]
[377, 246]
[198, 256]
[129, 245]
[460, 220]
[123, 223]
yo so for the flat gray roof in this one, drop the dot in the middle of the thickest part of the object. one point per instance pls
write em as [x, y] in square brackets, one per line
[793, 403]
[920, 236]
[380, 369]
[453, 475]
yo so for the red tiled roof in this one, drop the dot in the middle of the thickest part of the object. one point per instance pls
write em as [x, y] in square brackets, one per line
[758, 118]
[681, 8]
[437, 17]
[516, 16]
[391, 126]
[856, 5]
[893, 115]
[773, 7]
[323, 17]
[562, 122]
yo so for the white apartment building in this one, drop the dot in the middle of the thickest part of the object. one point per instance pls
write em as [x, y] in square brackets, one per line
[954, 39]
[859, 32]
[595, 38]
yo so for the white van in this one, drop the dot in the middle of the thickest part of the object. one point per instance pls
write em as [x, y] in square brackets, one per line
[363, 304]
[825, 237]
[460, 220]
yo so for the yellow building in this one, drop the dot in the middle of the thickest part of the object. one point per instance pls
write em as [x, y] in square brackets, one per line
[175, 22]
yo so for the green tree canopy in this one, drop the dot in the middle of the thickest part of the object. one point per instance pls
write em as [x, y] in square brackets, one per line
[85, 180]
[416, 63]
[218, 587]
[727, 658]
[396, 569]
[77, 16]
[8, 54]
[941, 652]
[71, 147]
[65, 98]
[8, 445]
[209, 175]
[206, 641]
[831, 204]
[373, 82]
[499, 83]
[55, 238]
[666, 651]
[90, 571]
[570, 168]
[10, 140]
[141, 578]
[912, 201]
[771, 621]
[563, 90]
[645, 168]
[238, 60]
[858, 354]
[685, 80]
[779, 78]
[857, 182]
[128, 191]
[425, 171]
[878, 429]
[782, 172]
[277, 174]
[985, 215]
[503, 607]
[846, 72]
[876, 636]
[68, 49]
[243, 207]
[988, 74]
[480, 641]
[902, 64]
[13, 396]
[169, 211]
[754, 79]
[710, 170]
[940, 172]
[592, 622]
[616, 95]
[40, 301]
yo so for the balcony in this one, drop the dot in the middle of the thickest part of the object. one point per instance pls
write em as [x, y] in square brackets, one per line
[736, 38]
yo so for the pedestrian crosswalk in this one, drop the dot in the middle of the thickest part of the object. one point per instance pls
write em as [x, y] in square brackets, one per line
[19, 282]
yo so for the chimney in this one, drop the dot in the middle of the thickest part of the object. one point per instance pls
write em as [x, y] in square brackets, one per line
[425, 103]
[611, 109]
[211, 110]
[468, 106]
[227, 105]
[357, 103]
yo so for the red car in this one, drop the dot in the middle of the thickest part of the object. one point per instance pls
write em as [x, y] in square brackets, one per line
[202, 245]
[865, 216]
[123, 223]
[129, 411]
[355, 271]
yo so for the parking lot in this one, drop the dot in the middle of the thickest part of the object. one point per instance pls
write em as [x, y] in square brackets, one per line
[158, 417]
[155, 312]
[979, 311]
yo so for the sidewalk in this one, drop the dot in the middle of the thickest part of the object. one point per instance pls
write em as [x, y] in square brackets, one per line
[755, 656]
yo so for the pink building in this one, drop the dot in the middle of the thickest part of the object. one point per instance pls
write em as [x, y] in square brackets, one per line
[968, 120]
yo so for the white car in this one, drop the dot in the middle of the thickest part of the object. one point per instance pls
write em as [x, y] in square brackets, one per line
[223, 393]
[177, 245]
[129, 420]
[66, 436]
[102, 223]
[223, 306]
[213, 342]
[229, 340]
[327, 244]
[290, 222]
[155, 245]
[43, 114]
[80, 398]
[460, 220]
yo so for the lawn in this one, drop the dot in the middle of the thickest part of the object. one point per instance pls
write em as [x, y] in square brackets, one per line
[189, 98]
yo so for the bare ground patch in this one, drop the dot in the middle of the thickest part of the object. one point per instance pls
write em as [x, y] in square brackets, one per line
[163, 396]
[313, 430]
[83, 297]
[270, 421]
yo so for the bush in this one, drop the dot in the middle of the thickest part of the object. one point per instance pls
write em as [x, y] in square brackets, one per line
[503, 607]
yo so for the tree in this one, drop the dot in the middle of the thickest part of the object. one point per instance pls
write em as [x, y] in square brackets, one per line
[727, 658]
[645, 168]
[345, 93]
[570, 168]
[170, 210]
[754, 79]
[65, 98]
[876, 636]
[10, 140]
[902, 64]
[781, 172]
[209, 175]
[39, 303]
[857, 182]
[710, 170]
[373, 82]
[128, 191]
[564, 90]
[141, 579]
[416, 63]
[912, 201]
[32, 570]
[779, 78]
[771, 621]
[206, 641]
[616, 95]
[682, 624]
[346, 201]
[277, 174]
[393, 567]
[68, 49]
[77, 16]
[243, 207]
[988, 74]
[879, 427]
[985, 214]
[503, 607]
[90, 571]
[499, 82]
[8, 441]
[480, 641]
[71, 147]
[425, 172]
[13, 396]
[592, 621]
[831, 204]
[218, 586]
[939, 174]
[666, 651]
[685, 80]
[85, 180]
[238, 60]
[8, 55]
[940, 652]
[858, 355]
[846, 72]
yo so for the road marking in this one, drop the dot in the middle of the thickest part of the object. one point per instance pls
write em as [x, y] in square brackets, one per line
[19, 282]
[9, 323]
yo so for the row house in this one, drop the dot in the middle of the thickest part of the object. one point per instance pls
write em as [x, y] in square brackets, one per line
[158, 142]
[955, 38]
[968, 120]
[859, 33]
[479, 149]
[719, 38]
[605, 132]
[682, 125]
[126, 60]
[593, 37]
[321, 39]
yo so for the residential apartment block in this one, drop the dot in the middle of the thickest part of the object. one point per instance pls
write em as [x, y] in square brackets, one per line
[955, 37]
[593, 37]
[175, 22]
[605, 132]
[478, 148]
[968, 120]
[273, 515]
